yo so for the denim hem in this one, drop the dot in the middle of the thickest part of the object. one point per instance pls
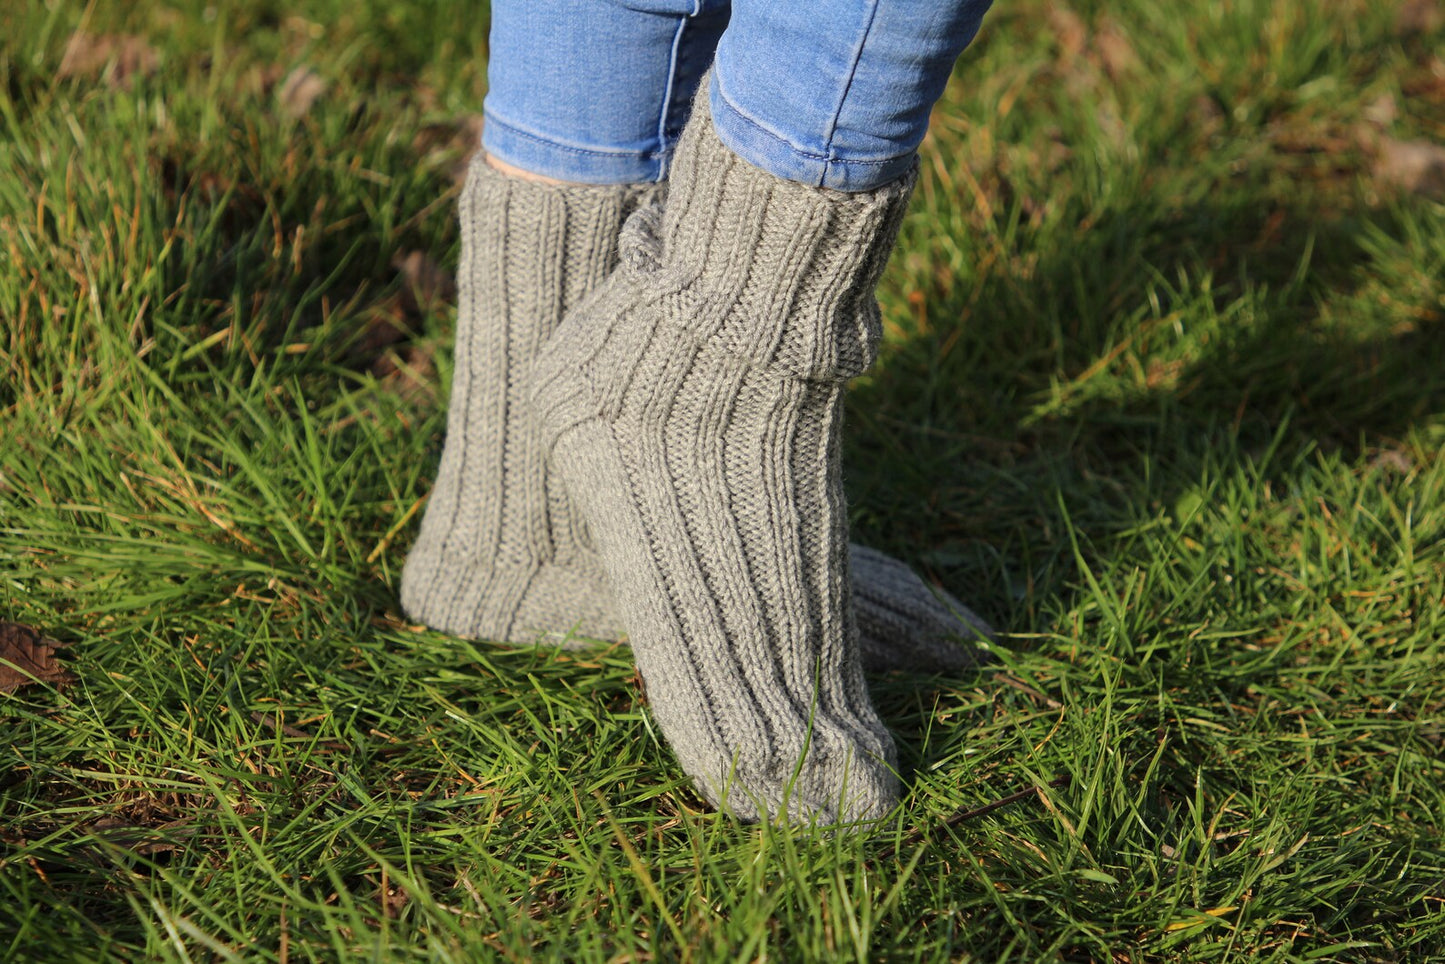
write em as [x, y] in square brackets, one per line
[764, 149]
[568, 162]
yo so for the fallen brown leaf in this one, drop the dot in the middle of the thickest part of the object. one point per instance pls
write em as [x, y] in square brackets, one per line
[116, 58]
[1395, 460]
[27, 657]
[393, 897]
[263, 78]
[383, 325]
[1382, 111]
[428, 285]
[177, 176]
[385, 349]
[1069, 30]
[1426, 85]
[1086, 53]
[1419, 16]
[300, 90]
[1115, 50]
[1414, 166]
[412, 374]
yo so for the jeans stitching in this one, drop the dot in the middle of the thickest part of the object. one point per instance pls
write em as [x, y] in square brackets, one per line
[848, 84]
[665, 110]
[536, 138]
[800, 151]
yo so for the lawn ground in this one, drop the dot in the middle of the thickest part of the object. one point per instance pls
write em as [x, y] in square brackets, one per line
[1163, 397]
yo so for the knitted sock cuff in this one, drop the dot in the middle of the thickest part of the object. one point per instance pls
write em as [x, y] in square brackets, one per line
[483, 178]
[776, 272]
[544, 233]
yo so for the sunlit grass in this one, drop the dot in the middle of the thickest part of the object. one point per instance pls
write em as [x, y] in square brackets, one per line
[1163, 397]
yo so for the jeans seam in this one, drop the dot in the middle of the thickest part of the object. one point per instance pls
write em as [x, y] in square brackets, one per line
[801, 151]
[848, 84]
[567, 148]
[665, 110]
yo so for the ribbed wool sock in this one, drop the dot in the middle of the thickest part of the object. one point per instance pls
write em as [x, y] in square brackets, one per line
[501, 555]
[904, 625]
[693, 405]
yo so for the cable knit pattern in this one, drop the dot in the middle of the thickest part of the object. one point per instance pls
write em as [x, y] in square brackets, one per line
[501, 554]
[694, 405]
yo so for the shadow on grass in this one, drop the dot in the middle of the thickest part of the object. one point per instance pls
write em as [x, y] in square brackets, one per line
[1124, 365]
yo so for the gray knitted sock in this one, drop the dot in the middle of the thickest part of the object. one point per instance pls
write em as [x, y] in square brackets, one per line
[500, 555]
[693, 405]
[905, 625]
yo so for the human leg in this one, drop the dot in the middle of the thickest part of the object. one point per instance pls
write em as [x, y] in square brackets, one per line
[587, 93]
[595, 91]
[694, 408]
[836, 93]
[500, 554]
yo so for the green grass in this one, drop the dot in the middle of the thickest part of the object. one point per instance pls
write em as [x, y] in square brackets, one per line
[1163, 396]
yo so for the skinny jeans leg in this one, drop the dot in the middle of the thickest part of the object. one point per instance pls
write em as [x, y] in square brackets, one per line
[830, 93]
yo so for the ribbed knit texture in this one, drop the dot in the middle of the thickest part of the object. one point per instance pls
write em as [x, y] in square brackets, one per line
[501, 555]
[694, 405]
[904, 625]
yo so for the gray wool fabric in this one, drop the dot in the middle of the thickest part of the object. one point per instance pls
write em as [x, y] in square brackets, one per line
[693, 406]
[904, 625]
[501, 554]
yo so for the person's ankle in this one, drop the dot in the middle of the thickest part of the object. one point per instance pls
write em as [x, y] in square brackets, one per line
[513, 171]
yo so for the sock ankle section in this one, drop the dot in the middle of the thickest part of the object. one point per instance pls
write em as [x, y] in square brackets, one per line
[496, 517]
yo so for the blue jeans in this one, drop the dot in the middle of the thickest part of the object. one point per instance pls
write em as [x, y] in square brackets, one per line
[832, 93]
